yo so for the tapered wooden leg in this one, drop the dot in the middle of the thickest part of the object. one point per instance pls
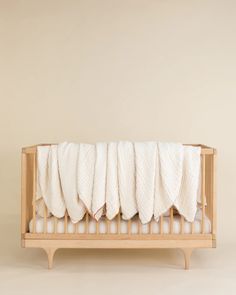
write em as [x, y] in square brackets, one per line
[50, 253]
[187, 254]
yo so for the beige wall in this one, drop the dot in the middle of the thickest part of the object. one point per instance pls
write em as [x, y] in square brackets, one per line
[108, 70]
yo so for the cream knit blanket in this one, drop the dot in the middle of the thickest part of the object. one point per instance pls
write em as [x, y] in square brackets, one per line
[147, 178]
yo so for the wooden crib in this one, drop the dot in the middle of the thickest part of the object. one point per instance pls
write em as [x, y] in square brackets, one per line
[64, 234]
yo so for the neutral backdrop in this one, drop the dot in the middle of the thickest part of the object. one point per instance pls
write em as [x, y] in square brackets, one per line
[95, 70]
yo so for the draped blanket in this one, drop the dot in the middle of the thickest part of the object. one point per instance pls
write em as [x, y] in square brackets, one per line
[147, 178]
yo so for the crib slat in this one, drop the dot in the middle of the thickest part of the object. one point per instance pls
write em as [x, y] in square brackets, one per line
[65, 222]
[55, 224]
[129, 226]
[203, 193]
[182, 224]
[45, 218]
[139, 226]
[77, 227]
[171, 219]
[150, 227]
[34, 190]
[161, 224]
[118, 223]
[97, 227]
[86, 223]
[192, 227]
[108, 226]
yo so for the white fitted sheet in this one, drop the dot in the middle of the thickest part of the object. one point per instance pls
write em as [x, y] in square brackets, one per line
[80, 226]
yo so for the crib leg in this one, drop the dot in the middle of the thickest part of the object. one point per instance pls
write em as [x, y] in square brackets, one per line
[50, 253]
[187, 254]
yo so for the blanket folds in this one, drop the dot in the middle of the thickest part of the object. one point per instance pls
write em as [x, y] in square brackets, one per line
[126, 179]
[48, 184]
[99, 183]
[147, 178]
[169, 168]
[186, 202]
[67, 159]
[145, 155]
[85, 174]
[112, 191]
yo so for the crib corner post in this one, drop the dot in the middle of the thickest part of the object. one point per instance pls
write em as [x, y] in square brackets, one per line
[50, 253]
[187, 255]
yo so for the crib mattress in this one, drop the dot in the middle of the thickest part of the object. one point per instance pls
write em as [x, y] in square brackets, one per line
[134, 227]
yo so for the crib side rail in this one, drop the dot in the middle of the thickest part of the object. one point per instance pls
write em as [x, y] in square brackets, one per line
[210, 191]
[28, 183]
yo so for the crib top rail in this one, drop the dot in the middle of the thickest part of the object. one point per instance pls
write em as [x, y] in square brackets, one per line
[205, 150]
